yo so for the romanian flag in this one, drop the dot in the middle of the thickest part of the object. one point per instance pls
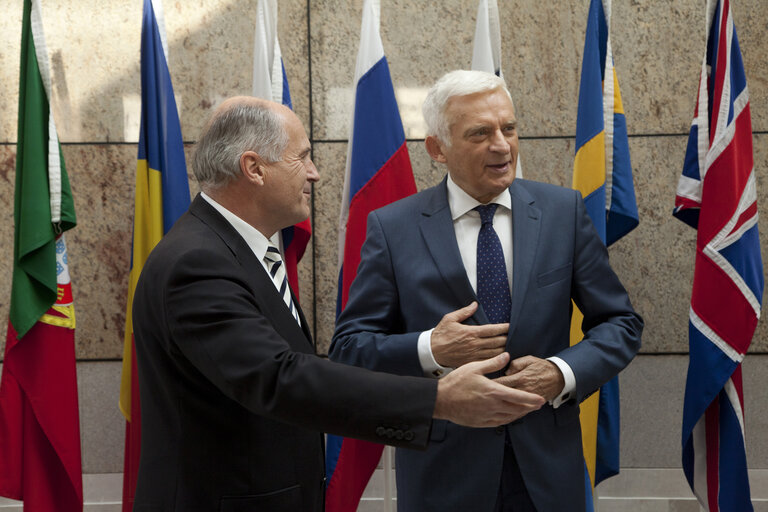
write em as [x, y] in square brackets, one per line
[602, 172]
[271, 83]
[378, 172]
[717, 195]
[162, 195]
[39, 424]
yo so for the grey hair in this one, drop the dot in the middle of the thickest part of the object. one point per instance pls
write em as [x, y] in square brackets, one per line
[228, 134]
[455, 83]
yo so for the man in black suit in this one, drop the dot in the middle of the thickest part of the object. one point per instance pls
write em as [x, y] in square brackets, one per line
[233, 397]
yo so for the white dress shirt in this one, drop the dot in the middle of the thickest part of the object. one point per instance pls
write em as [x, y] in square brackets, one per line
[466, 224]
[252, 236]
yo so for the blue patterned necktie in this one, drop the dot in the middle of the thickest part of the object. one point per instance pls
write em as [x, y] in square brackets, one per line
[492, 279]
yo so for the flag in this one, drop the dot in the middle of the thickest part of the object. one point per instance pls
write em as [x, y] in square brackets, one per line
[602, 172]
[717, 196]
[271, 83]
[39, 422]
[162, 195]
[378, 172]
[486, 47]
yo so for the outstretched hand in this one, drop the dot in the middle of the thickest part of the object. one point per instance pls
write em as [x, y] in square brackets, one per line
[466, 397]
[454, 344]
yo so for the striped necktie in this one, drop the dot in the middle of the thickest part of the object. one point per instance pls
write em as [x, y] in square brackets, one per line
[492, 280]
[276, 269]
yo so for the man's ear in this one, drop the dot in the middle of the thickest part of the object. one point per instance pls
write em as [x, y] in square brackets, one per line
[253, 167]
[435, 149]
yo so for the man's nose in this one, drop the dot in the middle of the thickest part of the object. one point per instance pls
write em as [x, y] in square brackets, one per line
[312, 174]
[499, 142]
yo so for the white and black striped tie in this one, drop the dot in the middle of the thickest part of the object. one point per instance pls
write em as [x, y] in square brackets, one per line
[277, 271]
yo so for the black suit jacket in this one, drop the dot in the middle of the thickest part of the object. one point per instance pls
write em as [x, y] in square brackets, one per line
[233, 397]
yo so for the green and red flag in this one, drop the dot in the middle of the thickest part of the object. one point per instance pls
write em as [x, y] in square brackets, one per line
[39, 424]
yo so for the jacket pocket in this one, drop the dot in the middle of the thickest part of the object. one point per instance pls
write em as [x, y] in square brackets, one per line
[283, 500]
[555, 275]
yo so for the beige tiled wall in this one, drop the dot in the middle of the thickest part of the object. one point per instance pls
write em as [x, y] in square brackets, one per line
[94, 52]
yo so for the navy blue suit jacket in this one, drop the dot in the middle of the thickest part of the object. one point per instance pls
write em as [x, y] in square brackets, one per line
[411, 274]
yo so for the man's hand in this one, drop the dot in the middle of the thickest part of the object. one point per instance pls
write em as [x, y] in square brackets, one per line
[535, 375]
[466, 397]
[455, 344]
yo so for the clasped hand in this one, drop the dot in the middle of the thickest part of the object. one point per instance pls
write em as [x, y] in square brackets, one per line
[455, 344]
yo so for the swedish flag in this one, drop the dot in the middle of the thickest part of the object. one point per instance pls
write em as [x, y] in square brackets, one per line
[602, 172]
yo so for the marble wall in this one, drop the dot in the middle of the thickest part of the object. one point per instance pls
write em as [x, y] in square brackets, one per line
[94, 52]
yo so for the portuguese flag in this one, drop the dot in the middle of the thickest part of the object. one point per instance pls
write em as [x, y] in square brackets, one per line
[39, 425]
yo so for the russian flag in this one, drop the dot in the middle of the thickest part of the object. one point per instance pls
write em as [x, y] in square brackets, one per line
[378, 172]
[162, 196]
[271, 83]
[602, 172]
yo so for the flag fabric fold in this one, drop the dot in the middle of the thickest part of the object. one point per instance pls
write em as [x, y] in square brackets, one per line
[486, 48]
[271, 83]
[717, 196]
[161, 197]
[602, 172]
[378, 172]
[39, 420]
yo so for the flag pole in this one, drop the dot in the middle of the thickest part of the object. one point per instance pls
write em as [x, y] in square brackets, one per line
[388, 497]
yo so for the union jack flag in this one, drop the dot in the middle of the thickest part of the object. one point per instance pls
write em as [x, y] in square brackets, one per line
[717, 195]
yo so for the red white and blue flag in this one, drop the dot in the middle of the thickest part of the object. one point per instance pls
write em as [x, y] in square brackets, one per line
[378, 172]
[717, 196]
[271, 83]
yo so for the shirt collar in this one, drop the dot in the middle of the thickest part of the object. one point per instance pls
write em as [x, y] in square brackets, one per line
[252, 236]
[460, 202]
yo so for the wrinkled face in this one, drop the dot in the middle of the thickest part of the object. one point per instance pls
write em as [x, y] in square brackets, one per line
[483, 152]
[290, 180]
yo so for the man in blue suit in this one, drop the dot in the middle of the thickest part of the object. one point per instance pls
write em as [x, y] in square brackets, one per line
[480, 264]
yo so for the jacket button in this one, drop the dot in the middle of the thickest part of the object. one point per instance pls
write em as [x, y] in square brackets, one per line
[390, 433]
[398, 434]
[409, 436]
[380, 431]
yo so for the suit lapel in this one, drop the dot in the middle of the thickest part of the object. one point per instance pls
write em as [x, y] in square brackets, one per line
[525, 237]
[440, 237]
[264, 289]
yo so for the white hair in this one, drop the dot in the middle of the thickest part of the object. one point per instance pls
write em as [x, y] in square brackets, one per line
[243, 127]
[455, 83]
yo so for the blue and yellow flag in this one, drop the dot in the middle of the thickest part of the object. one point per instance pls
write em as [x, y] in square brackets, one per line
[162, 195]
[602, 172]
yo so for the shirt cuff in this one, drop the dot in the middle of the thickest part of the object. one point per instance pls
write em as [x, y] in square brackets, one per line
[427, 360]
[570, 382]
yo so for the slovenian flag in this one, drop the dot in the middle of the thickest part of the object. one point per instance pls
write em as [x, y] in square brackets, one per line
[717, 195]
[602, 172]
[40, 460]
[271, 83]
[162, 196]
[378, 172]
